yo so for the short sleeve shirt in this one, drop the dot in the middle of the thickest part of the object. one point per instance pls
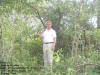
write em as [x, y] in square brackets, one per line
[49, 35]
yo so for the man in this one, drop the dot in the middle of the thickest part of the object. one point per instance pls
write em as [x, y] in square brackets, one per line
[49, 43]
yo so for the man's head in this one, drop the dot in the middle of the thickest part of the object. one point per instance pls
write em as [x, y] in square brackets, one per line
[49, 24]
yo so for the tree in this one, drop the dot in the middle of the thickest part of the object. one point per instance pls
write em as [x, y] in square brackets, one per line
[0, 41]
[0, 1]
[98, 14]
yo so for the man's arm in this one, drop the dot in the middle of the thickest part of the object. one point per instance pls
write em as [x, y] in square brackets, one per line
[54, 44]
[41, 34]
[54, 41]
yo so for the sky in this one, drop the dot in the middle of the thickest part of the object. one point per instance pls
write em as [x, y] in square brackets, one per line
[94, 21]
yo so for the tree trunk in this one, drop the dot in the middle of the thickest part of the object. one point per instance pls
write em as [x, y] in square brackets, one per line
[0, 1]
[98, 14]
[0, 42]
[98, 18]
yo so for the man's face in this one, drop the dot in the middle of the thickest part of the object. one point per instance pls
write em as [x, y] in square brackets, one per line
[49, 25]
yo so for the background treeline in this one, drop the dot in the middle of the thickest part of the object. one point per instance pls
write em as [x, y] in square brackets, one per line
[77, 23]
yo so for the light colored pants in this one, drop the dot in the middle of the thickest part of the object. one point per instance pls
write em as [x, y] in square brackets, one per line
[48, 57]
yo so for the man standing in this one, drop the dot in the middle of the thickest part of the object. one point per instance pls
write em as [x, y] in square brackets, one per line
[49, 43]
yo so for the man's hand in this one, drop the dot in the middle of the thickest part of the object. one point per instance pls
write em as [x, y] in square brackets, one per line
[54, 44]
[53, 47]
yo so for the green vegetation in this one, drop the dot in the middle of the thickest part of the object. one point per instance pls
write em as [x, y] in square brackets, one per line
[78, 40]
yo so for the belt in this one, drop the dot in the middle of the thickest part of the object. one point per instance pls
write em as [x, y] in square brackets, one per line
[48, 42]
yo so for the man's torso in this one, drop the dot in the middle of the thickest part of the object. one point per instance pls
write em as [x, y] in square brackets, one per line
[48, 35]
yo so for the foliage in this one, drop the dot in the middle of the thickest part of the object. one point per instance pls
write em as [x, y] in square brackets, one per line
[77, 51]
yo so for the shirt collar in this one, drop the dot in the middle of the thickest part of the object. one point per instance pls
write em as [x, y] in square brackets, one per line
[49, 30]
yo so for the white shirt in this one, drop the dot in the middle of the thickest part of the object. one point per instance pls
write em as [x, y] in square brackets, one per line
[49, 35]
